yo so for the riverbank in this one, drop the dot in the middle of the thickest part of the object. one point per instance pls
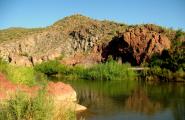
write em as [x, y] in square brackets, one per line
[111, 70]
[58, 97]
[33, 79]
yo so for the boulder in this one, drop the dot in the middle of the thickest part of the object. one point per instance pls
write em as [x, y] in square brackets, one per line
[61, 93]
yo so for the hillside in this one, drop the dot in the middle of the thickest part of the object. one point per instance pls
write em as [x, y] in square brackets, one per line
[81, 40]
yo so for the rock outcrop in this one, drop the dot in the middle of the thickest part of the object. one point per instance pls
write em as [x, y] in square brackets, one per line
[61, 93]
[136, 45]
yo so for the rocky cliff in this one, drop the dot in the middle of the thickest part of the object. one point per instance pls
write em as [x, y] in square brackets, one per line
[80, 40]
[136, 45]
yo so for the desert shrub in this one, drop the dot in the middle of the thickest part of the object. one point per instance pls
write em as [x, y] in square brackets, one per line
[171, 60]
[49, 67]
[15, 33]
[3, 66]
[55, 67]
[18, 74]
[65, 112]
[24, 107]
[21, 75]
[41, 107]
[157, 73]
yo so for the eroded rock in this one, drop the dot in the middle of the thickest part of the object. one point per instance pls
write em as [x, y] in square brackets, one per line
[20, 60]
[136, 45]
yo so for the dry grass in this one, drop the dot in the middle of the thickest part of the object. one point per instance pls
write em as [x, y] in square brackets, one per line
[64, 111]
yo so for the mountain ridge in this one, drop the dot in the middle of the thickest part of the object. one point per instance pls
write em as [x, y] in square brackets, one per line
[76, 34]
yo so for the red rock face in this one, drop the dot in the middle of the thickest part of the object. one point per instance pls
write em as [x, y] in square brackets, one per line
[7, 88]
[59, 90]
[136, 45]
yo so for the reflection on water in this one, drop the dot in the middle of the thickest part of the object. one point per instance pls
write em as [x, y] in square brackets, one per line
[133, 100]
[138, 101]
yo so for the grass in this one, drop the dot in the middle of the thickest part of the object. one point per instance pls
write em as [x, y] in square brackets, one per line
[162, 74]
[65, 111]
[48, 68]
[52, 67]
[18, 74]
[22, 75]
[23, 107]
[3, 66]
[108, 71]
[41, 107]
[16, 33]
[105, 71]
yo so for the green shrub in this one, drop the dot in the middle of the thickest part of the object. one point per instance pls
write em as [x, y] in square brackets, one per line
[108, 71]
[18, 74]
[23, 107]
[157, 73]
[54, 67]
[3, 66]
[172, 60]
[41, 107]
[49, 67]
[105, 71]
[22, 75]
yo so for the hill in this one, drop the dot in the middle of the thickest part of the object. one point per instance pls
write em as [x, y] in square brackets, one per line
[81, 40]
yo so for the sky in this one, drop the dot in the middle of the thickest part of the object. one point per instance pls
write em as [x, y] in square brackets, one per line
[42, 13]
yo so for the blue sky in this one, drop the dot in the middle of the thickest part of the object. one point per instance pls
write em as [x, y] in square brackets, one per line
[41, 13]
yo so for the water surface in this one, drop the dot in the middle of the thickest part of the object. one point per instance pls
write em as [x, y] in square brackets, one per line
[130, 100]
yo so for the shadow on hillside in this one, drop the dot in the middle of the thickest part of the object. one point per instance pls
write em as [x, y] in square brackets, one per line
[118, 49]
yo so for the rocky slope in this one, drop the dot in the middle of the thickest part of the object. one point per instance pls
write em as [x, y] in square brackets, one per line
[82, 40]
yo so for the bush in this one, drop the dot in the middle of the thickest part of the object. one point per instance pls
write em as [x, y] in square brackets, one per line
[3, 66]
[172, 60]
[65, 111]
[40, 107]
[49, 67]
[108, 71]
[105, 71]
[162, 74]
[22, 75]
[23, 107]
[18, 74]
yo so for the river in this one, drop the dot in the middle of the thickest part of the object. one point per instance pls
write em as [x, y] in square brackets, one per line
[129, 100]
